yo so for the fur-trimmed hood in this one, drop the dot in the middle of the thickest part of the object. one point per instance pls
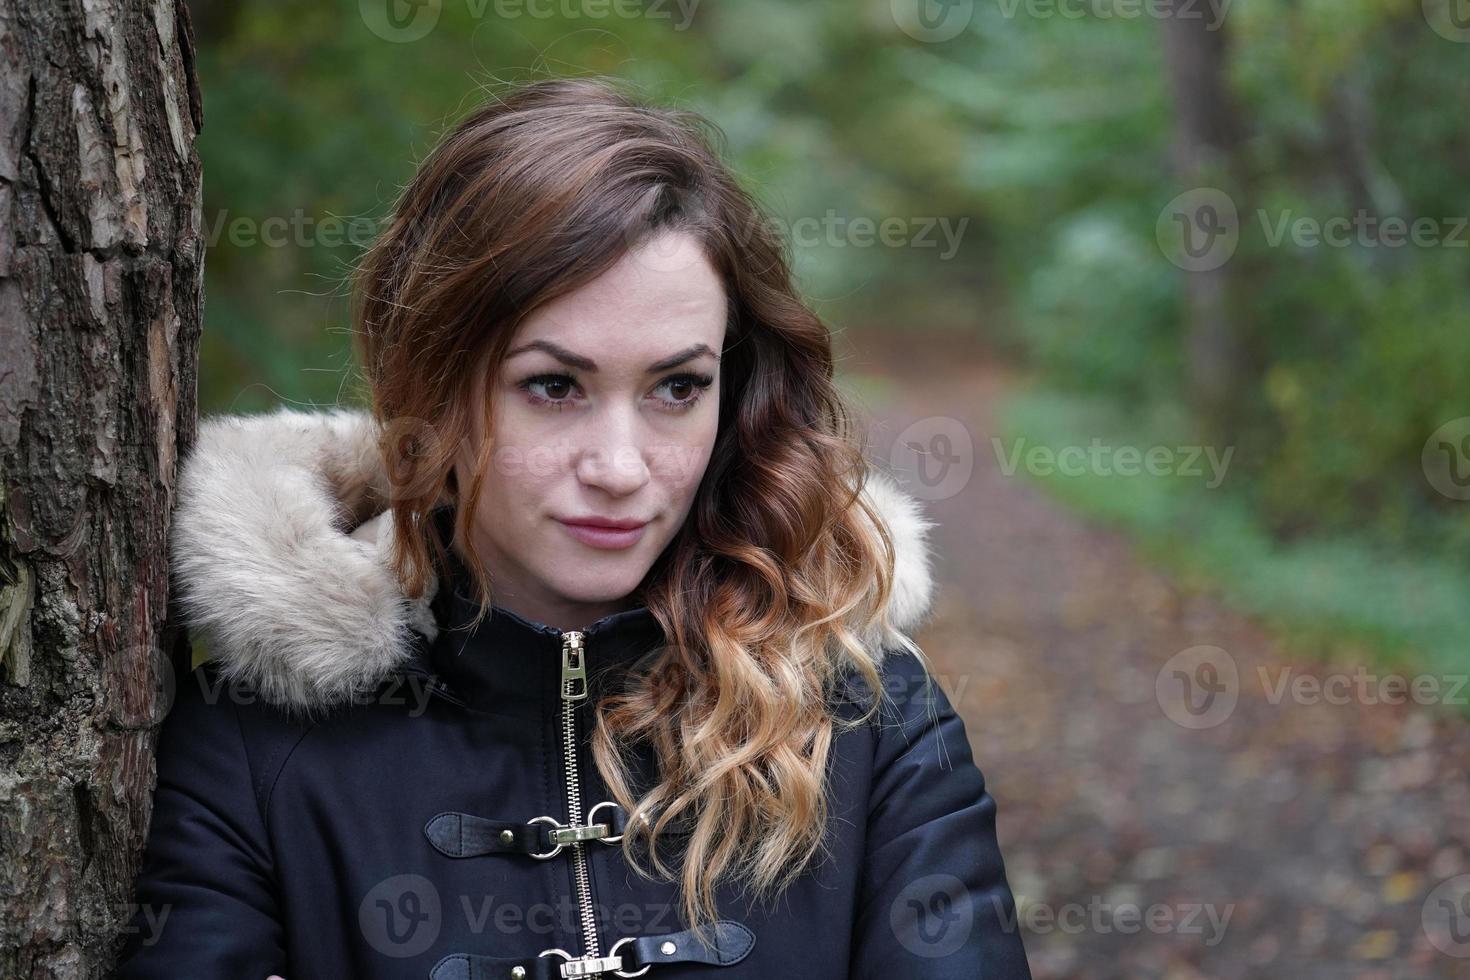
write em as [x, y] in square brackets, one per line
[282, 562]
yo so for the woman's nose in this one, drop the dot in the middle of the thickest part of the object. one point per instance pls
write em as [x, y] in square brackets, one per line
[619, 470]
[613, 457]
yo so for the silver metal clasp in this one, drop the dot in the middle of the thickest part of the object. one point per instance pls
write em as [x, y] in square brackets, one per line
[563, 834]
[609, 837]
[619, 970]
[573, 835]
[588, 966]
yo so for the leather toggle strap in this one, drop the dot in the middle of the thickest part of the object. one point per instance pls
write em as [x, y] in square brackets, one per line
[464, 835]
[728, 944]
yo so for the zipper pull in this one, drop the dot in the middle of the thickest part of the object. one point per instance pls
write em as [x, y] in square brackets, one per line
[573, 667]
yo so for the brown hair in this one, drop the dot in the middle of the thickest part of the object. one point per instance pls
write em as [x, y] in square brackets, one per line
[781, 563]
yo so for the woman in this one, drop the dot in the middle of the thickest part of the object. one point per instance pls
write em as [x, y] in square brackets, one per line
[586, 654]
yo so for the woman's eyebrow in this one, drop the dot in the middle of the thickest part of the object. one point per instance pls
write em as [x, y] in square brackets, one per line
[688, 354]
[587, 364]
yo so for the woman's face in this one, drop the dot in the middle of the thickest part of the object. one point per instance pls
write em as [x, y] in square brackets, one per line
[605, 409]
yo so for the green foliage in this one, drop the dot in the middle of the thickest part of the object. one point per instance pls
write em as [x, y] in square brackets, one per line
[1355, 353]
[1101, 315]
[1351, 428]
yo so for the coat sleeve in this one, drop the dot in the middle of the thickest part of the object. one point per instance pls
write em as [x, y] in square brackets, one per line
[934, 903]
[205, 897]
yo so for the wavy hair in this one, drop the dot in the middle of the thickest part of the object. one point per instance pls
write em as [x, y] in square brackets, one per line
[781, 567]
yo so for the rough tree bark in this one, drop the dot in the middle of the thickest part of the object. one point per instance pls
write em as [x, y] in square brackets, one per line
[1207, 131]
[101, 259]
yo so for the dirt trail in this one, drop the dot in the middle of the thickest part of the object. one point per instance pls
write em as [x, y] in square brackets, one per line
[1294, 839]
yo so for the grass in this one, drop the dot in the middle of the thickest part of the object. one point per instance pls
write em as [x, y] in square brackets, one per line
[1335, 596]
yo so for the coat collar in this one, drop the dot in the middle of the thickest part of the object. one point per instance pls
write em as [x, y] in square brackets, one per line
[282, 560]
[511, 665]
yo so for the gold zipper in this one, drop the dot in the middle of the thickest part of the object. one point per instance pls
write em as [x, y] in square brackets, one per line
[574, 690]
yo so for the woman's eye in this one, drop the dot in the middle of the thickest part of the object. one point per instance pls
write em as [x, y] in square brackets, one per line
[556, 391]
[553, 390]
[686, 389]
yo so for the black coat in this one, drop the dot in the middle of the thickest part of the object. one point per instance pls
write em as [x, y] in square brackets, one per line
[406, 827]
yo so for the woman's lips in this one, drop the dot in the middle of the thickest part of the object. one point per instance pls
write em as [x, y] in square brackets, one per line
[607, 538]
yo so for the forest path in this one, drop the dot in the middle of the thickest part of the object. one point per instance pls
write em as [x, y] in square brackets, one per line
[1264, 833]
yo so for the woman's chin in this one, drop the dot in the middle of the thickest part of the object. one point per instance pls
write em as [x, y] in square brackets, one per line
[596, 581]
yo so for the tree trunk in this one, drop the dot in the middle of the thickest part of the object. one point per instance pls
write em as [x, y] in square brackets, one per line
[1207, 131]
[101, 262]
